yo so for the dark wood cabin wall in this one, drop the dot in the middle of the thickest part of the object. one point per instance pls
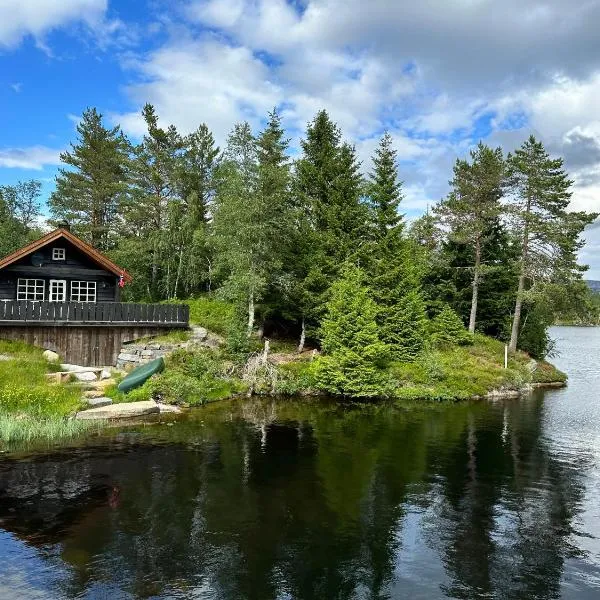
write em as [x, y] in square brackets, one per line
[87, 346]
[76, 267]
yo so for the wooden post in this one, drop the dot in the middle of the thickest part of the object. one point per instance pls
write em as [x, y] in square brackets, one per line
[505, 356]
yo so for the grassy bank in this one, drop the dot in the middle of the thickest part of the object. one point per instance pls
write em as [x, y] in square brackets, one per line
[454, 372]
[30, 406]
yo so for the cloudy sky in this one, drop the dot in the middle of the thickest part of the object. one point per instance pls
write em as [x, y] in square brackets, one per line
[438, 74]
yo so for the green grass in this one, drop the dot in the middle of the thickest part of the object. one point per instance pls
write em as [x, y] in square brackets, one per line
[32, 407]
[216, 315]
[24, 429]
[461, 372]
[176, 336]
[25, 389]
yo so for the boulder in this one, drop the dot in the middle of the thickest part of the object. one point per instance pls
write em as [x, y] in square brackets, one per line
[98, 402]
[85, 376]
[103, 384]
[125, 410]
[147, 353]
[79, 369]
[105, 374]
[93, 394]
[127, 357]
[50, 356]
[168, 408]
[199, 333]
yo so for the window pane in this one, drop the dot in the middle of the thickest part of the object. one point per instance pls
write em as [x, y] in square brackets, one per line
[30, 289]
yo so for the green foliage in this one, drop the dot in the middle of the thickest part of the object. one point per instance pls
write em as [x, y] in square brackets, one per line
[25, 429]
[405, 327]
[24, 388]
[89, 194]
[549, 233]
[448, 329]
[210, 312]
[355, 357]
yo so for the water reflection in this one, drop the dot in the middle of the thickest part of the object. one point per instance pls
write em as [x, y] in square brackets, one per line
[299, 500]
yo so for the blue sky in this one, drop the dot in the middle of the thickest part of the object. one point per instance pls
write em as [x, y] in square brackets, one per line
[438, 74]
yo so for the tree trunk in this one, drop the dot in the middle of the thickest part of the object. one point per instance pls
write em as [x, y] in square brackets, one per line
[475, 297]
[178, 277]
[514, 334]
[250, 313]
[302, 337]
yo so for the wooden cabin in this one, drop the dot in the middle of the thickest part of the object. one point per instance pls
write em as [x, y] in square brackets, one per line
[62, 294]
[60, 267]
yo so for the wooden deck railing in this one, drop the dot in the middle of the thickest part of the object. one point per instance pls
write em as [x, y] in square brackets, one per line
[15, 312]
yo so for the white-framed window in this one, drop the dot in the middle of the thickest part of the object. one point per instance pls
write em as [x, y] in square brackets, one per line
[30, 289]
[83, 291]
[57, 290]
[58, 254]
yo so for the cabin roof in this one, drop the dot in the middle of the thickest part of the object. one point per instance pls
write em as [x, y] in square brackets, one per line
[84, 247]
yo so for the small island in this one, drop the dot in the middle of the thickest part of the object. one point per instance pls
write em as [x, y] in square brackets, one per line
[303, 276]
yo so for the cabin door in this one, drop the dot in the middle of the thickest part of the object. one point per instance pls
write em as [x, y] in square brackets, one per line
[58, 290]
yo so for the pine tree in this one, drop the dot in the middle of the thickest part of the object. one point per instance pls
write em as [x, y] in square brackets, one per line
[150, 214]
[90, 193]
[199, 160]
[549, 235]
[354, 356]
[472, 205]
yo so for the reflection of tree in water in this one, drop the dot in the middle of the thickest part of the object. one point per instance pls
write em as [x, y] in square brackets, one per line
[302, 499]
[509, 507]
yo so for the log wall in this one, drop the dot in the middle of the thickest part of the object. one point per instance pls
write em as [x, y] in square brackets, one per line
[88, 346]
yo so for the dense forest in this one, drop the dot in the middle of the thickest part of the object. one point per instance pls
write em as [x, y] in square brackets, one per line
[306, 245]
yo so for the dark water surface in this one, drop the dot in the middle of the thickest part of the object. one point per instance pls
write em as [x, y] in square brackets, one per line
[307, 500]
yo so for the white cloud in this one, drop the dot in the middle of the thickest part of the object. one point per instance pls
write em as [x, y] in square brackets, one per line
[34, 157]
[20, 18]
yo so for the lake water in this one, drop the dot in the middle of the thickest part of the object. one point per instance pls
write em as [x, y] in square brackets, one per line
[311, 500]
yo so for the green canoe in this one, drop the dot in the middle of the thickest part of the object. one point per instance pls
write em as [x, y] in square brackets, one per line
[140, 374]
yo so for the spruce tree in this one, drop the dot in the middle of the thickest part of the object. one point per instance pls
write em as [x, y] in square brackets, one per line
[354, 356]
[385, 189]
[89, 194]
[470, 208]
[329, 188]
[549, 235]
[392, 274]
[448, 329]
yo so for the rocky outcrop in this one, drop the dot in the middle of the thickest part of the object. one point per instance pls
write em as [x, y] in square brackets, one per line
[134, 354]
[125, 410]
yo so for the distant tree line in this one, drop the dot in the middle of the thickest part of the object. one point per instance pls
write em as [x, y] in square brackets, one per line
[314, 247]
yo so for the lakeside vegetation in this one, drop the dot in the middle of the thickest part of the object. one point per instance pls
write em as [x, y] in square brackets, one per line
[31, 406]
[314, 253]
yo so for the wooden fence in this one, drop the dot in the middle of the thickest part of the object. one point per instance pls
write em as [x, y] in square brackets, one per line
[23, 312]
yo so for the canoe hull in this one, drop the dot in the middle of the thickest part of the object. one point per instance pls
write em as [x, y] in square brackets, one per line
[141, 374]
